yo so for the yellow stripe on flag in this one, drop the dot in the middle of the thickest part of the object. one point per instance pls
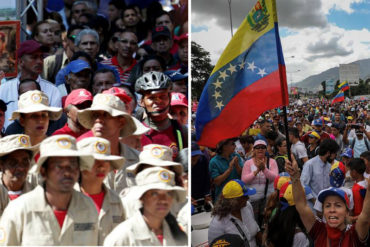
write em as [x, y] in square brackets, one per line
[247, 34]
[341, 85]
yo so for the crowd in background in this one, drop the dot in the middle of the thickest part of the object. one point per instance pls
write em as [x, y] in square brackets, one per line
[259, 197]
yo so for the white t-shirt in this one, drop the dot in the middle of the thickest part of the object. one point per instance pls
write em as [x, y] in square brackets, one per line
[299, 150]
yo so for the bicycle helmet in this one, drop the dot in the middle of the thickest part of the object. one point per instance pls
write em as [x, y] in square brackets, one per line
[152, 81]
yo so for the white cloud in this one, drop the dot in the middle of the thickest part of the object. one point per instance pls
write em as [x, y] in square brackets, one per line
[344, 5]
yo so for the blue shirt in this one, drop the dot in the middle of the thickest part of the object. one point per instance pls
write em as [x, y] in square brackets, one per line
[218, 165]
[315, 174]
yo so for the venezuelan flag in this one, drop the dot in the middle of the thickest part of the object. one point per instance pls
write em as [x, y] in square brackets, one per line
[339, 97]
[343, 86]
[248, 79]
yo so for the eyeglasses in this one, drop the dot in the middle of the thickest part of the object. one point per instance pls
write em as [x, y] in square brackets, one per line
[260, 147]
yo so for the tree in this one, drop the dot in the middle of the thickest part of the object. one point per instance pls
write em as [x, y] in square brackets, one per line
[201, 68]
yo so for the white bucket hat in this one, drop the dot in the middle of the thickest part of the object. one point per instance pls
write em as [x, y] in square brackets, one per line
[158, 178]
[35, 101]
[100, 150]
[13, 143]
[140, 128]
[111, 104]
[64, 146]
[155, 155]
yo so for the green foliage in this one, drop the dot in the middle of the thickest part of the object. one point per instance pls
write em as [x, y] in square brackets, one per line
[201, 68]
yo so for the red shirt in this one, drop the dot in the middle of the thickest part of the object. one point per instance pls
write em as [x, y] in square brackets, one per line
[60, 215]
[87, 134]
[123, 74]
[165, 137]
[13, 196]
[65, 130]
[349, 236]
[98, 199]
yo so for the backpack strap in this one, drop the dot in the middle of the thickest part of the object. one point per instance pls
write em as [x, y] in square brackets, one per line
[245, 239]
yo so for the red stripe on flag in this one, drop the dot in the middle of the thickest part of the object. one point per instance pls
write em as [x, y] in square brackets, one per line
[244, 108]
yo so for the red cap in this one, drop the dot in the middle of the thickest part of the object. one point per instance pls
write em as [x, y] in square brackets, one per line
[29, 47]
[179, 99]
[77, 97]
[120, 93]
[183, 37]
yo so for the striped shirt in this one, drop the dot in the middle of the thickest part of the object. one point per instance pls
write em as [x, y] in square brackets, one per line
[123, 74]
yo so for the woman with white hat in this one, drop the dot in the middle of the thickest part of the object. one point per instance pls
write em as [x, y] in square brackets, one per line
[16, 154]
[151, 226]
[34, 114]
[107, 202]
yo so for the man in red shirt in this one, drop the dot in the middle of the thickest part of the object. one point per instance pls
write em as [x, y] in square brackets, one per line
[156, 98]
[124, 61]
[78, 99]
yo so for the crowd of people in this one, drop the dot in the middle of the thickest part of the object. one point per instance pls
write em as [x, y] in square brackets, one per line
[319, 196]
[94, 142]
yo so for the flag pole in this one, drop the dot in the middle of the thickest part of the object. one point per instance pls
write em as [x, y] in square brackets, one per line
[231, 21]
[286, 131]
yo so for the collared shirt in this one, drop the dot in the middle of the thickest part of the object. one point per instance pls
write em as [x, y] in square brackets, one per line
[218, 165]
[315, 175]
[248, 225]
[135, 232]
[123, 73]
[359, 147]
[66, 131]
[111, 214]
[30, 220]
[9, 94]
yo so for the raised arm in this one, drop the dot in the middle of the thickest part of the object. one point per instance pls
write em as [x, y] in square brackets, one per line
[305, 212]
[363, 220]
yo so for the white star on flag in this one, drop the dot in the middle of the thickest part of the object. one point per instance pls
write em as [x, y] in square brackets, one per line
[261, 72]
[219, 105]
[216, 95]
[223, 74]
[232, 68]
[217, 84]
[251, 66]
[242, 65]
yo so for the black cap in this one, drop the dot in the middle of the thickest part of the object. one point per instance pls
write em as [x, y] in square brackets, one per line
[160, 31]
[232, 240]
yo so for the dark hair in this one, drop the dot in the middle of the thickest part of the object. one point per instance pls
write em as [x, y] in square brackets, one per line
[272, 135]
[246, 139]
[176, 231]
[152, 57]
[279, 142]
[131, 6]
[105, 70]
[35, 29]
[366, 155]
[72, 28]
[225, 206]
[282, 227]
[358, 165]
[182, 158]
[78, 54]
[28, 80]
[119, 4]
[294, 132]
[160, 13]
[328, 145]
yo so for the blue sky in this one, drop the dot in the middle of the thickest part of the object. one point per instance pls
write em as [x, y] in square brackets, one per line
[359, 19]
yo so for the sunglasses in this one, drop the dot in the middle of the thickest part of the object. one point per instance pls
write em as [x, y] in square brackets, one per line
[72, 37]
[260, 147]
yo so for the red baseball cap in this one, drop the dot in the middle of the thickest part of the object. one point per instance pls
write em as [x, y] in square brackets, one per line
[77, 97]
[183, 37]
[29, 47]
[179, 99]
[120, 93]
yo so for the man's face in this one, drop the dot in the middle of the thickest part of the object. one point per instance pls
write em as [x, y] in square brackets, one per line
[152, 65]
[113, 12]
[180, 86]
[73, 111]
[107, 126]
[78, 10]
[162, 44]
[157, 103]
[61, 173]
[164, 20]
[57, 33]
[337, 117]
[127, 44]
[180, 113]
[183, 51]
[266, 127]
[89, 45]
[130, 18]
[103, 81]
[79, 80]
[45, 34]
[32, 63]
[15, 168]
